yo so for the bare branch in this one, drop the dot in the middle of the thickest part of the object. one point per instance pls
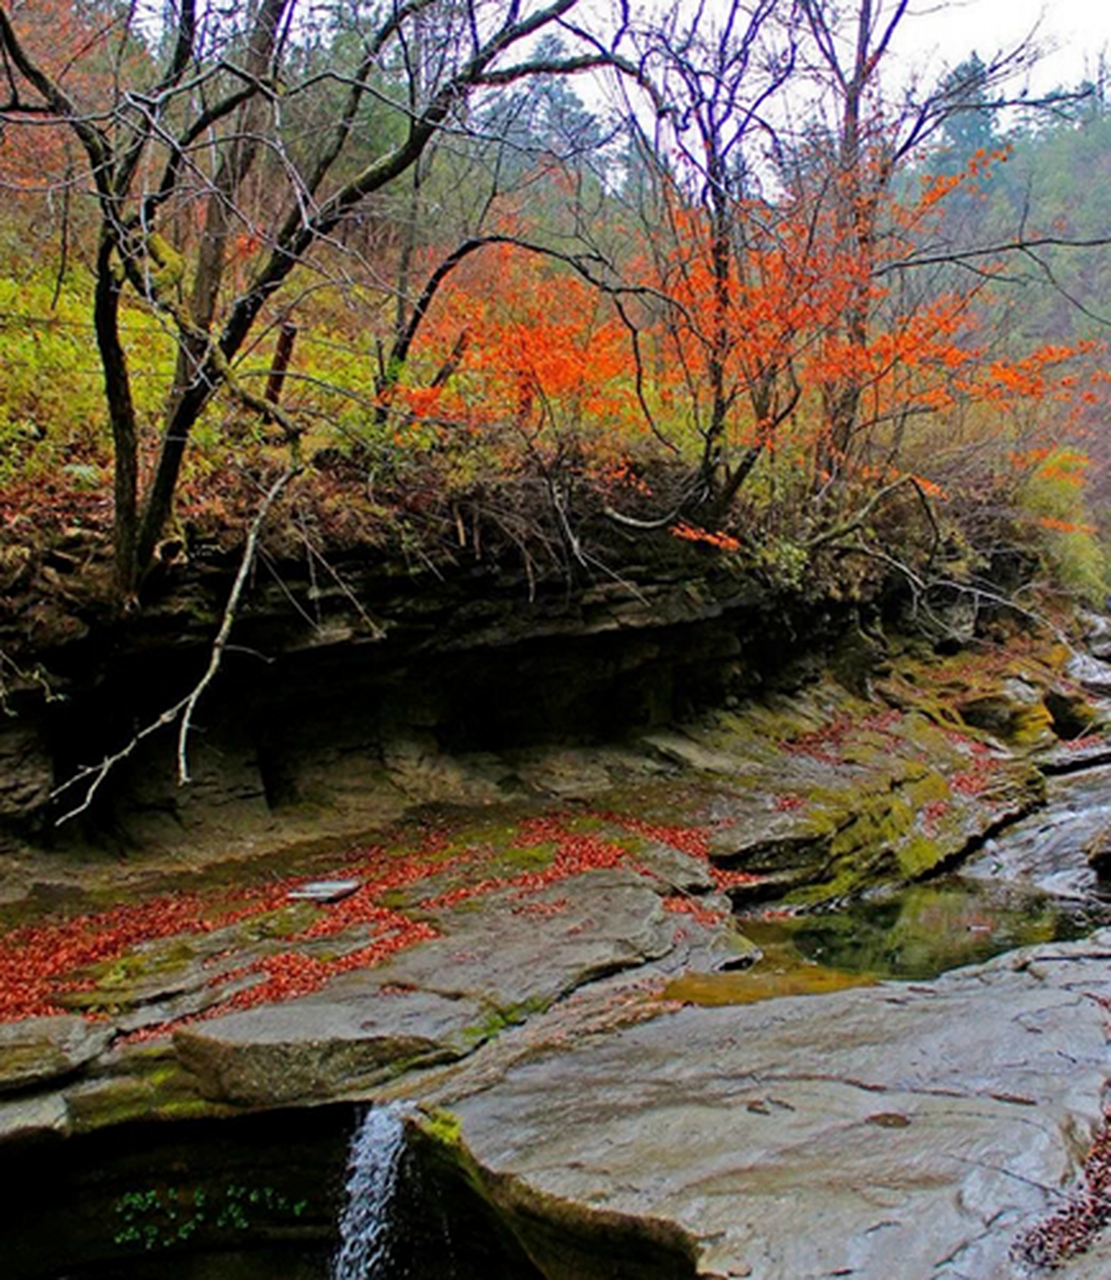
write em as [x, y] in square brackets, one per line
[231, 609]
[92, 777]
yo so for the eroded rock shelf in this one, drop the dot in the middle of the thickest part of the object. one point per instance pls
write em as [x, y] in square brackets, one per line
[596, 954]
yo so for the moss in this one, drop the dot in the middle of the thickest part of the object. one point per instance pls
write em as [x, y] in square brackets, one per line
[493, 844]
[876, 839]
[928, 788]
[167, 1093]
[499, 1018]
[1032, 726]
[282, 922]
[118, 982]
[536, 857]
[169, 264]
[869, 749]
[932, 738]
[880, 821]
[919, 855]
[395, 899]
[442, 1127]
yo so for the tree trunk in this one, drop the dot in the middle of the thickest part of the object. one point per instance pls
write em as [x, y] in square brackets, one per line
[121, 413]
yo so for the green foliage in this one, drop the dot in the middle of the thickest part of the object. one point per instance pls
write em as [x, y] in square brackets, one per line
[52, 389]
[970, 125]
[1053, 498]
[52, 414]
[784, 563]
[165, 1217]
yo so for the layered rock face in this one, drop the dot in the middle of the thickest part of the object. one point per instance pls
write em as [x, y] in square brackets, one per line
[568, 821]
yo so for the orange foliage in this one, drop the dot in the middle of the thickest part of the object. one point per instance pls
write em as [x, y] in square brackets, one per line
[778, 333]
[689, 533]
[544, 348]
[75, 47]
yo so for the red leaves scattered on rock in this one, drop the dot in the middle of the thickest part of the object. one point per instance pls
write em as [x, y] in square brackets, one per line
[546, 910]
[575, 853]
[41, 963]
[933, 812]
[787, 804]
[827, 744]
[972, 782]
[981, 773]
[967, 743]
[34, 959]
[726, 879]
[291, 974]
[678, 904]
[693, 841]
[1071, 1229]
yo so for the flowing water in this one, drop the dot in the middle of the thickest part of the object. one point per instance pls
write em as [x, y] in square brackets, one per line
[366, 1226]
[265, 1198]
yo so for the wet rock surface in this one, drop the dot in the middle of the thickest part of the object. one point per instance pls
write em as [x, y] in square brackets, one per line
[910, 1131]
[1058, 849]
[570, 980]
[40, 1050]
[433, 1003]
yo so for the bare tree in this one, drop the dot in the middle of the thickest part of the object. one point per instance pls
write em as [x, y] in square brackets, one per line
[192, 135]
[716, 76]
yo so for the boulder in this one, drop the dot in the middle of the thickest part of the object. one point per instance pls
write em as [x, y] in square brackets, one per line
[877, 1132]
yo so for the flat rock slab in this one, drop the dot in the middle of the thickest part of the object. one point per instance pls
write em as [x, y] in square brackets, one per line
[323, 1047]
[901, 1131]
[500, 959]
[513, 948]
[38, 1050]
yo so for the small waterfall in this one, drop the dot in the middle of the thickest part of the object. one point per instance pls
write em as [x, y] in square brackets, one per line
[367, 1226]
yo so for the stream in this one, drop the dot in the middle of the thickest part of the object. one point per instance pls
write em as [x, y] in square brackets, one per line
[286, 1196]
[1031, 884]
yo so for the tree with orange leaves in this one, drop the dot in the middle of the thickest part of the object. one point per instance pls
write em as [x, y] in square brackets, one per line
[184, 140]
[791, 315]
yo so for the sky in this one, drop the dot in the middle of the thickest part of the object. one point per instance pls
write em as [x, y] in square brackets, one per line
[1073, 33]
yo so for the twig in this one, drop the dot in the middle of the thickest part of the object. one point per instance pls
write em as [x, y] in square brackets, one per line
[98, 772]
[186, 706]
[228, 620]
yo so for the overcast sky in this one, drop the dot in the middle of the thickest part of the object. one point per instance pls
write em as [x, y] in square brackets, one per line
[1073, 33]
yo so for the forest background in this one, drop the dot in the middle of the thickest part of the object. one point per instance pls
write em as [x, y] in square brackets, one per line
[380, 266]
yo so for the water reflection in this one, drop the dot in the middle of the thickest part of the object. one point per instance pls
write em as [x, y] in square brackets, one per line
[924, 930]
[916, 933]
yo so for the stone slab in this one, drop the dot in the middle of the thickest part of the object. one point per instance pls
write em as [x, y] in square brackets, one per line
[899, 1131]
